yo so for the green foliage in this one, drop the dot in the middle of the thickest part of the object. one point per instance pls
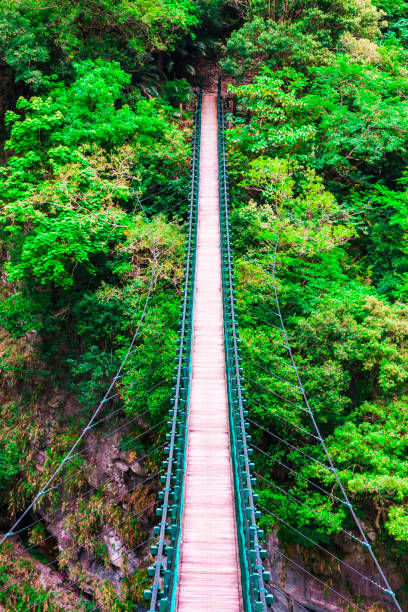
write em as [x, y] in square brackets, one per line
[297, 33]
[38, 36]
[177, 92]
[19, 315]
[68, 194]
[21, 46]
[11, 449]
[282, 44]
[393, 9]
[383, 213]
[344, 119]
[295, 206]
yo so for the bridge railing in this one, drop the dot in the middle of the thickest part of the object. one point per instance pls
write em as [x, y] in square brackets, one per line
[166, 550]
[256, 597]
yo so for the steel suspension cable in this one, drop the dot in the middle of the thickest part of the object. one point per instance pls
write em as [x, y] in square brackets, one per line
[318, 437]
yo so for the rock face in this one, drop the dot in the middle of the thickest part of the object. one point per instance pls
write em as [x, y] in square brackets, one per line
[119, 555]
[294, 590]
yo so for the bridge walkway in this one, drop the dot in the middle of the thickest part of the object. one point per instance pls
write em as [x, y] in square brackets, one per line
[209, 572]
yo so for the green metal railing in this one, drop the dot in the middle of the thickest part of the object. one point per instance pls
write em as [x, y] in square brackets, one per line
[256, 597]
[164, 572]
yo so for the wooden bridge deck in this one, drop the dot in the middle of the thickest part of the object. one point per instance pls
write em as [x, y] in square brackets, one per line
[209, 574]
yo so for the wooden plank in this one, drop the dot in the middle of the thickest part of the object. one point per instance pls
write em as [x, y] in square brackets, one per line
[209, 573]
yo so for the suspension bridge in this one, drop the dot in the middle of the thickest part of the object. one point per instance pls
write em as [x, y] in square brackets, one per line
[208, 551]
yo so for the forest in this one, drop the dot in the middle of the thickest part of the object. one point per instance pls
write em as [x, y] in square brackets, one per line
[96, 122]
